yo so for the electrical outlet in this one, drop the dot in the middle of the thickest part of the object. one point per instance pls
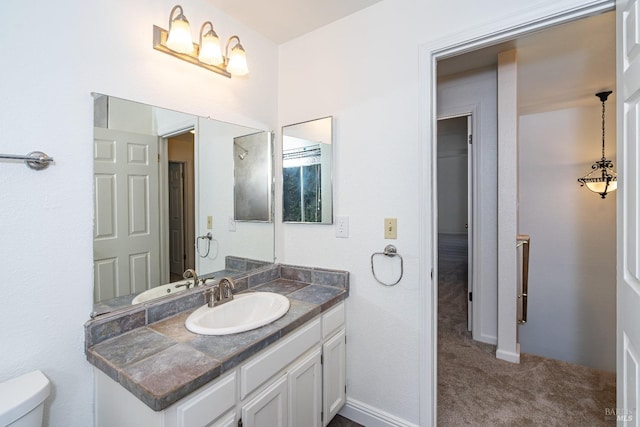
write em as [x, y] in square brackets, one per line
[342, 226]
[232, 224]
[390, 228]
[209, 222]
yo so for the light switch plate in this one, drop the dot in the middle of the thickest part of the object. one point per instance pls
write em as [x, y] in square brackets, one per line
[232, 224]
[209, 222]
[342, 226]
[390, 228]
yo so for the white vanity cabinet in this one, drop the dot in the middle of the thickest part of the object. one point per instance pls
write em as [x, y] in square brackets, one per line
[297, 381]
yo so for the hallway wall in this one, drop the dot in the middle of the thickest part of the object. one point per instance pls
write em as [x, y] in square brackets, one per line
[572, 282]
[458, 94]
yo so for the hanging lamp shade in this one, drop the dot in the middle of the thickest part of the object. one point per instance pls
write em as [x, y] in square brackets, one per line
[603, 178]
[179, 39]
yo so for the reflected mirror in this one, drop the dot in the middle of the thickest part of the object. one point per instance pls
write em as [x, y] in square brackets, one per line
[307, 157]
[164, 202]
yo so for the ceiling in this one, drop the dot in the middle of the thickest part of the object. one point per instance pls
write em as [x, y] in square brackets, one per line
[283, 20]
[557, 68]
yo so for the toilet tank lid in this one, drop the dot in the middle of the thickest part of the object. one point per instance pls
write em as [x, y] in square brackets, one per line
[18, 396]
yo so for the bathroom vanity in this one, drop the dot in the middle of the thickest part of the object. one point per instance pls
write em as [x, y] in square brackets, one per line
[154, 372]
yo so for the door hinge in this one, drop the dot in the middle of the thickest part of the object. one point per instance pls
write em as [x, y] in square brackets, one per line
[240, 422]
[470, 296]
[321, 359]
[321, 416]
[158, 157]
[184, 256]
[470, 139]
[432, 274]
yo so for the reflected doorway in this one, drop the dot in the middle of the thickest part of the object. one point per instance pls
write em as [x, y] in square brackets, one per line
[181, 200]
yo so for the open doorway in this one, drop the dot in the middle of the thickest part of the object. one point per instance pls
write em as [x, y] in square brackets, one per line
[455, 215]
[181, 200]
[570, 304]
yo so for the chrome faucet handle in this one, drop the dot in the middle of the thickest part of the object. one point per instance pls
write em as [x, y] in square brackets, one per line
[210, 295]
[191, 274]
[204, 280]
[229, 284]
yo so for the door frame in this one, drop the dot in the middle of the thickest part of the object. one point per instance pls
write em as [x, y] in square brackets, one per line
[508, 28]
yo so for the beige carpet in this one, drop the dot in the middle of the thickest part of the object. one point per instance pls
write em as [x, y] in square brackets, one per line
[476, 389]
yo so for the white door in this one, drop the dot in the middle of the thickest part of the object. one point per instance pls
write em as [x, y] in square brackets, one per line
[269, 408]
[177, 253]
[334, 375]
[126, 254]
[628, 256]
[455, 195]
[305, 392]
[469, 225]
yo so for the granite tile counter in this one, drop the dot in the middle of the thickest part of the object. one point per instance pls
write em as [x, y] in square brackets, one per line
[149, 351]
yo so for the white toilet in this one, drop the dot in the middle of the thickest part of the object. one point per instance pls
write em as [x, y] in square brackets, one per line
[22, 400]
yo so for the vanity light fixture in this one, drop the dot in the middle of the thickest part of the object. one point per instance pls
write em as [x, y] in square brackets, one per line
[178, 43]
[603, 178]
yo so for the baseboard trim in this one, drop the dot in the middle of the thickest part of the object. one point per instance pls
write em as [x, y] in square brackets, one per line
[370, 416]
[508, 355]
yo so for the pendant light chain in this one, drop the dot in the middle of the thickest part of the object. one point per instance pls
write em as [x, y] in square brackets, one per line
[603, 157]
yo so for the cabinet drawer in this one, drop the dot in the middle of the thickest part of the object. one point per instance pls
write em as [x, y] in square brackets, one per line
[332, 320]
[263, 367]
[208, 404]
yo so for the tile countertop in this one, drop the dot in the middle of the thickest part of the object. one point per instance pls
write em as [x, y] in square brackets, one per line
[163, 362]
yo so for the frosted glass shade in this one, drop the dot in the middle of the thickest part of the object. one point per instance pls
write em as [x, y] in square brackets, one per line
[210, 51]
[237, 65]
[179, 39]
[599, 187]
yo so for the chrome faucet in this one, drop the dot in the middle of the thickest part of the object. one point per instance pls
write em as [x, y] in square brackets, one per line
[221, 292]
[229, 284]
[189, 274]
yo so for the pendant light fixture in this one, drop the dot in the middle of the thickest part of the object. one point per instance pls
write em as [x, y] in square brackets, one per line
[603, 178]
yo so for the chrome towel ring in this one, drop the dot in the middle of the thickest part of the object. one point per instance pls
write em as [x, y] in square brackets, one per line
[389, 251]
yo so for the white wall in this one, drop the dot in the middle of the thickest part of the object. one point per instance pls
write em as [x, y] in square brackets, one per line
[371, 87]
[46, 217]
[216, 198]
[572, 282]
[461, 93]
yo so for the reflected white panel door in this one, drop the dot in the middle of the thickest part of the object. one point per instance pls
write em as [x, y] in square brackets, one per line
[177, 253]
[126, 235]
[628, 216]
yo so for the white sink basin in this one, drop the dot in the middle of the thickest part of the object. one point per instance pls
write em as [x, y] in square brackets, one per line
[160, 291]
[245, 312]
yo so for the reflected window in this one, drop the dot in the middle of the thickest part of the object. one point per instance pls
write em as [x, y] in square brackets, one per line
[302, 184]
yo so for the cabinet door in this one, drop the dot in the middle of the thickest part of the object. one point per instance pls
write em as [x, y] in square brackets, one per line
[305, 392]
[269, 408]
[334, 375]
[228, 420]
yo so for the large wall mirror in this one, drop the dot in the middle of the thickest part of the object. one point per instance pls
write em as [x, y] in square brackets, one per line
[164, 200]
[307, 157]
